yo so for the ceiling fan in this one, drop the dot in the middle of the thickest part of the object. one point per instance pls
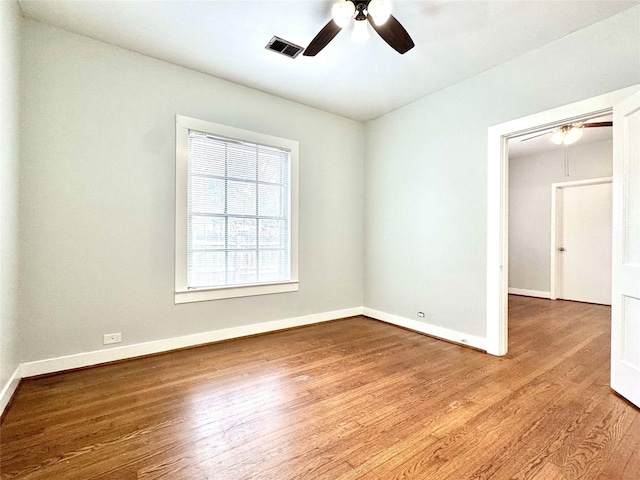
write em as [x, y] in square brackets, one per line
[568, 134]
[376, 12]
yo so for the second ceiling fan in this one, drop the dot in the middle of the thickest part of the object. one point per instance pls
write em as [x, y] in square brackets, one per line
[570, 133]
[376, 12]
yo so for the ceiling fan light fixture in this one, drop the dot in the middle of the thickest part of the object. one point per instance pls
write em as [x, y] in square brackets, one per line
[567, 135]
[558, 137]
[392, 32]
[572, 135]
[380, 11]
[360, 31]
[342, 12]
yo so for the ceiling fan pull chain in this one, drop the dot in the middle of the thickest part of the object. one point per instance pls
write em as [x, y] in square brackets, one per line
[566, 161]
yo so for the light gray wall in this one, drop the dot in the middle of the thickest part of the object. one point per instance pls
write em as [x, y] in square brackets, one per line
[9, 186]
[98, 197]
[98, 179]
[530, 180]
[426, 170]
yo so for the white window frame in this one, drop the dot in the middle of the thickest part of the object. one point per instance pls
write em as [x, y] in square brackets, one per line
[186, 295]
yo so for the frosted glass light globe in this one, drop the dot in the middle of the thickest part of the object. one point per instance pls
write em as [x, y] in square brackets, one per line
[360, 31]
[558, 137]
[573, 135]
[342, 12]
[380, 11]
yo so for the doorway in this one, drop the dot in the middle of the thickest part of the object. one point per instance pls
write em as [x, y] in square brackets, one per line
[539, 171]
[497, 199]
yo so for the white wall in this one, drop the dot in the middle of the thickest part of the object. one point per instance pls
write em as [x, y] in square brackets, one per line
[9, 188]
[98, 178]
[426, 170]
[530, 179]
[98, 197]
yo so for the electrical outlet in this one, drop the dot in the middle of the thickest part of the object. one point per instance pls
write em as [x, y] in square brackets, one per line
[112, 338]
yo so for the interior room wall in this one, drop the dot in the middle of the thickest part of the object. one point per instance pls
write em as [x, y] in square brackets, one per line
[426, 171]
[98, 179]
[10, 89]
[530, 179]
[98, 197]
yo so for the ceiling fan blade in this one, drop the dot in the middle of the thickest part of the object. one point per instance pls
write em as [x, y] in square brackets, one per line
[535, 136]
[321, 40]
[394, 34]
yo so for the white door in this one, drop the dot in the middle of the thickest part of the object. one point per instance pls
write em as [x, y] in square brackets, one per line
[625, 307]
[584, 242]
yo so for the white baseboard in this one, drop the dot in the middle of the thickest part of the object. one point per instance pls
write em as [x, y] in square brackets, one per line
[9, 389]
[426, 328]
[96, 357]
[529, 293]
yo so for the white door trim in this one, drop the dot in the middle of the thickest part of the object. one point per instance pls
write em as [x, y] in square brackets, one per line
[498, 195]
[556, 222]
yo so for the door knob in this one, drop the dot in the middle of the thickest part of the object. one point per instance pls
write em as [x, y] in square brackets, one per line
[561, 249]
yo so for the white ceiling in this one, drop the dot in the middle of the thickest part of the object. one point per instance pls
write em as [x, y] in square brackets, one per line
[226, 38]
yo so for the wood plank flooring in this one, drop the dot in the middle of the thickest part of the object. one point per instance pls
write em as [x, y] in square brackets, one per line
[351, 399]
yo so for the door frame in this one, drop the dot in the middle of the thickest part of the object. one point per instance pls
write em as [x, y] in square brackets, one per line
[556, 223]
[498, 197]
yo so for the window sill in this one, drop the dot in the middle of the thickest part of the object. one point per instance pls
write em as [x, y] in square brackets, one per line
[204, 294]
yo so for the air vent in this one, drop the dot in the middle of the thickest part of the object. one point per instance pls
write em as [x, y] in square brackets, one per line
[280, 45]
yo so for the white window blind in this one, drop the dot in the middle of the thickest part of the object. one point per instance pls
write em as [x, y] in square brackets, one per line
[239, 197]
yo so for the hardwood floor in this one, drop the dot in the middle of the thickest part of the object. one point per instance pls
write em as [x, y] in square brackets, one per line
[352, 399]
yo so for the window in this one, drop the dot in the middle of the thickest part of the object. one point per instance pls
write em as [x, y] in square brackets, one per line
[236, 212]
